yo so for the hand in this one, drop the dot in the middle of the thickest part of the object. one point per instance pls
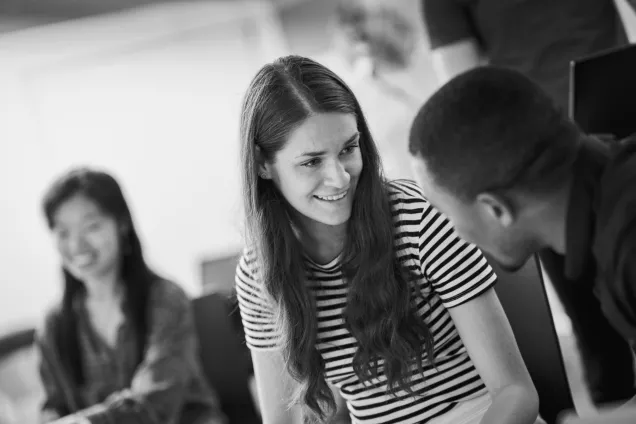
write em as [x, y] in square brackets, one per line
[72, 419]
[605, 137]
[623, 415]
[613, 140]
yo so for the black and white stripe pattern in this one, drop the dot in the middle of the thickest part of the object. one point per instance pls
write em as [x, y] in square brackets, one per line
[452, 272]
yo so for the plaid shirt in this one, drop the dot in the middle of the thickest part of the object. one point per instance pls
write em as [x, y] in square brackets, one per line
[167, 387]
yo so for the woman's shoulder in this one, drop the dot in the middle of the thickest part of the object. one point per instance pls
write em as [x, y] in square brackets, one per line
[248, 263]
[48, 321]
[403, 189]
[167, 294]
[249, 255]
[406, 194]
[247, 280]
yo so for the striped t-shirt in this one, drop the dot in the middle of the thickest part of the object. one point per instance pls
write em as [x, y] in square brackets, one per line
[451, 272]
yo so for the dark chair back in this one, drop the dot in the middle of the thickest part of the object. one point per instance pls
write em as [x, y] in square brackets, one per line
[226, 360]
[523, 297]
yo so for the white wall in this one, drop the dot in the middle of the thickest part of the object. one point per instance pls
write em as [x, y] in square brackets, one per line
[629, 18]
[151, 95]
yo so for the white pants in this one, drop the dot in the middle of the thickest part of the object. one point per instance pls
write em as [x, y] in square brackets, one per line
[469, 412]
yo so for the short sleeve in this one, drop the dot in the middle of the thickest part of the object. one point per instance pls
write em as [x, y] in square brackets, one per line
[446, 22]
[456, 270]
[257, 311]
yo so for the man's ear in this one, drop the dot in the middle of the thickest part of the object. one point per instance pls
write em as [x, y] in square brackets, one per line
[497, 207]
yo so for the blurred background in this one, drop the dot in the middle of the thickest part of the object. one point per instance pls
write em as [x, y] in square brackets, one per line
[151, 92]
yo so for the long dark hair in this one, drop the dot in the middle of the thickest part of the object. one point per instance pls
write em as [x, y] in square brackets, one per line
[105, 192]
[378, 312]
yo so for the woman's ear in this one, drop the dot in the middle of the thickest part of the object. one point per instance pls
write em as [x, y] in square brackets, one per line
[263, 166]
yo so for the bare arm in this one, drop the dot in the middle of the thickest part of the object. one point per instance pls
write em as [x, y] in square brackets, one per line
[275, 387]
[452, 38]
[454, 59]
[486, 333]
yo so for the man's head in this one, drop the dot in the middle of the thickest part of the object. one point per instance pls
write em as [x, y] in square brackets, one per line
[490, 150]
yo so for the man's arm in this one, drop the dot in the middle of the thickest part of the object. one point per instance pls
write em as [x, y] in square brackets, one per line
[453, 42]
[626, 415]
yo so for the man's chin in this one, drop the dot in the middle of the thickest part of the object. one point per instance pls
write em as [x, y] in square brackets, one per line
[511, 268]
[507, 267]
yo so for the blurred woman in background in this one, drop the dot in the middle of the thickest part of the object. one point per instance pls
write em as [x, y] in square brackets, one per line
[357, 282]
[121, 345]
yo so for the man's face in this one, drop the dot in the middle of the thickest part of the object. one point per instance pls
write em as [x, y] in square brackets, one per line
[489, 226]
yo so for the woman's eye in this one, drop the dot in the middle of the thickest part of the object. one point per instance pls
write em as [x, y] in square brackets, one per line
[93, 226]
[311, 163]
[349, 149]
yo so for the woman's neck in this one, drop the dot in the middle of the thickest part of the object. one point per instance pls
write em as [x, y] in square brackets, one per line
[104, 289]
[322, 243]
[104, 306]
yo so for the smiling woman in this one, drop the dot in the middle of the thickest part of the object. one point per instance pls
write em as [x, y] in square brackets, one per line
[357, 282]
[121, 344]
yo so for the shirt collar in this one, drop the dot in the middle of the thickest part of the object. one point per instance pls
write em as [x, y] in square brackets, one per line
[79, 305]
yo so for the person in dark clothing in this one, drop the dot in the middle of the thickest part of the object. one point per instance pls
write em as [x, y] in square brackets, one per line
[538, 38]
[516, 177]
[120, 345]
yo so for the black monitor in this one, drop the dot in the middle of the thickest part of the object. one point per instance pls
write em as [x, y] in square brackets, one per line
[603, 92]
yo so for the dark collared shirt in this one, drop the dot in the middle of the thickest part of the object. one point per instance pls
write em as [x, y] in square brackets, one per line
[601, 230]
[166, 387]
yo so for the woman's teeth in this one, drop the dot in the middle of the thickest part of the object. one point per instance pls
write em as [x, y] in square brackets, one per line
[83, 260]
[332, 198]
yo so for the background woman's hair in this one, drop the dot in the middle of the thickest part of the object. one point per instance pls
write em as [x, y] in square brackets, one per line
[105, 192]
[379, 311]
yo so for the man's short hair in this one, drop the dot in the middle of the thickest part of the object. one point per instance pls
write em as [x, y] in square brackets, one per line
[493, 129]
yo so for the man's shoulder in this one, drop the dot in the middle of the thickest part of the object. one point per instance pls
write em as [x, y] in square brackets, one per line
[618, 181]
[615, 238]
